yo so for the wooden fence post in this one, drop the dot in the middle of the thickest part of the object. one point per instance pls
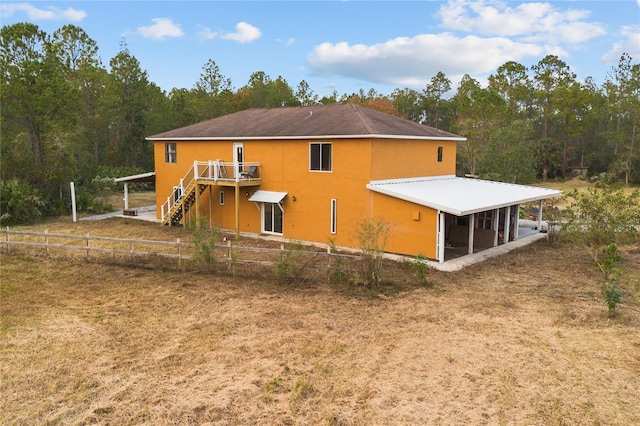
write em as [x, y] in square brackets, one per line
[88, 246]
[179, 254]
[46, 240]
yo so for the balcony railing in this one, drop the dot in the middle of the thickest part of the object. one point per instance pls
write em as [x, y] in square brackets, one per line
[212, 170]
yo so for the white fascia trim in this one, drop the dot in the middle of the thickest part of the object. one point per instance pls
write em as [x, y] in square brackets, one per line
[134, 177]
[258, 138]
[409, 180]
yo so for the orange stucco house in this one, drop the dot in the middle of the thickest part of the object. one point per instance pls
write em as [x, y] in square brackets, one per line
[314, 173]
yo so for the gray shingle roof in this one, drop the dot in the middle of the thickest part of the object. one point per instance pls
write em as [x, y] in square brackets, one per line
[338, 120]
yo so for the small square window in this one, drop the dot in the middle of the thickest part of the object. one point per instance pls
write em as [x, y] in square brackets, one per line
[170, 153]
[320, 157]
[439, 154]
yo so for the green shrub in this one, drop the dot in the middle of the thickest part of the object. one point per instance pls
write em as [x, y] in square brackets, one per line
[597, 218]
[19, 203]
[612, 292]
[612, 295]
[372, 238]
[337, 273]
[421, 265]
[205, 240]
[291, 262]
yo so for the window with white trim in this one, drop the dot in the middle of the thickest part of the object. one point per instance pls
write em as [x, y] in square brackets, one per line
[222, 198]
[170, 153]
[320, 157]
[440, 149]
[334, 221]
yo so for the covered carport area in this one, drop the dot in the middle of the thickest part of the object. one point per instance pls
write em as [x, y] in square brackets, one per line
[472, 214]
[149, 177]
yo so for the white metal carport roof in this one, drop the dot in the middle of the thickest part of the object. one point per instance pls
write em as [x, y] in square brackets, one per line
[460, 196]
[143, 177]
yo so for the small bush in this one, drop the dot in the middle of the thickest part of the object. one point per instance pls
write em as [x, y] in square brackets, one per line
[612, 292]
[372, 238]
[421, 265]
[337, 273]
[612, 295]
[205, 240]
[291, 262]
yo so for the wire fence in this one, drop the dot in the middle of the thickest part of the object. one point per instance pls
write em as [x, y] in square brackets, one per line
[291, 262]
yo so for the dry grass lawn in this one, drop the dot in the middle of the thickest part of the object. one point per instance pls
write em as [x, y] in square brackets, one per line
[522, 339]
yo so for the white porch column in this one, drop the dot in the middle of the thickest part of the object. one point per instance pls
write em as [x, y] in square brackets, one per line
[496, 226]
[515, 228]
[440, 253]
[507, 224]
[472, 219]
[126, 195]
[540, 215]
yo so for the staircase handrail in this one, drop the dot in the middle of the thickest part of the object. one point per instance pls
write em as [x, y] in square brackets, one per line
[210, 169]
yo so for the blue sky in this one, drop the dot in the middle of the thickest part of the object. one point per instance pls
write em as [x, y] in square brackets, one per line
[346, 45]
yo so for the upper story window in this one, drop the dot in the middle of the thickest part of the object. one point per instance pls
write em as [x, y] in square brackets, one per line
[170, 153]
[439, 154]
[320, 157]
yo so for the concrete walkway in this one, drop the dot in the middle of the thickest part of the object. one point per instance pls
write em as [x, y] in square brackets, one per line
[470, 259]
[147, 213]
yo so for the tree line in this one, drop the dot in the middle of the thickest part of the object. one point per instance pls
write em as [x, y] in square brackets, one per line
[66, 117]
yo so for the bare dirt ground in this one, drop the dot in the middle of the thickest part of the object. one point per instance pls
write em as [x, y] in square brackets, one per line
[521, 339]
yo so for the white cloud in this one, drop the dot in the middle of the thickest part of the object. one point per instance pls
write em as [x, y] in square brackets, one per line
[205, 33]
[245, 33]
[629, 43]
[161, 28]
[412, 62]
[35, 14]
[533, 22]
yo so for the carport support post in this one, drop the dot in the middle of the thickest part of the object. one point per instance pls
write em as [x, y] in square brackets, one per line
[440, 254]
[496, 226]
[126, 195]
[515, 228]
[507, 224]
[540, 215]
[472, 219]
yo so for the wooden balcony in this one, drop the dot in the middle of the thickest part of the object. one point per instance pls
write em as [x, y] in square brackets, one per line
[201, 175]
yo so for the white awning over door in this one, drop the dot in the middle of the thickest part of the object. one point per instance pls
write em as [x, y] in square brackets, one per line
[261, 196]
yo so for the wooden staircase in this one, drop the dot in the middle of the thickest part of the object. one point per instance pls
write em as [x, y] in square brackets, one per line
[184, 203]
[205, 174]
